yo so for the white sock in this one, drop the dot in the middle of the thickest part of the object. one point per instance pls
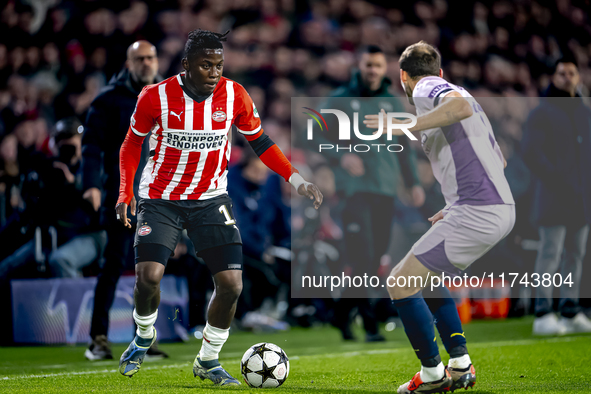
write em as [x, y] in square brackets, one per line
[213, 340]
[145, 324]
[431, 374]
[460, 362]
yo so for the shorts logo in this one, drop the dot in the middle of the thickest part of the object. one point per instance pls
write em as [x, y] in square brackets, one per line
[219, 116]
[144, 230]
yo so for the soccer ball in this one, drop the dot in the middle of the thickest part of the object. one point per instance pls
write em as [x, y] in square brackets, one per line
[264, 365]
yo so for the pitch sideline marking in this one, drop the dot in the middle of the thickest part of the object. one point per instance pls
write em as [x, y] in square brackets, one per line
[520, 342]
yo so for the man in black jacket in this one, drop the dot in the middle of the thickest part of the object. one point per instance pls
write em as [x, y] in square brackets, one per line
[106, 126]
[556, 143]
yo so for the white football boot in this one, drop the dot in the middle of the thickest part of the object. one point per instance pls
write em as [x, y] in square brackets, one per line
[548, 325]
[578, 323]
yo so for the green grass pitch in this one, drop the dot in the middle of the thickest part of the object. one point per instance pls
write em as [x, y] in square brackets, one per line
[506, 356]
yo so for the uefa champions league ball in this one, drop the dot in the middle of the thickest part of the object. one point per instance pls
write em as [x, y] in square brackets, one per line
[264, 365]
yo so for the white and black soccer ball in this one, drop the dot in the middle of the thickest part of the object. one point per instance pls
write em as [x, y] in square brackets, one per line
[264, 365]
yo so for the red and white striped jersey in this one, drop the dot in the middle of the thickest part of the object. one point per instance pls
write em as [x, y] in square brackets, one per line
[189, 142]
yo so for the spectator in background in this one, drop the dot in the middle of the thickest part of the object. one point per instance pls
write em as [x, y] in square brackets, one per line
[58, 222]
[369, 183]
[106, 126]
[556, 140]
[9, 178]
[65, 211]
[85, 242]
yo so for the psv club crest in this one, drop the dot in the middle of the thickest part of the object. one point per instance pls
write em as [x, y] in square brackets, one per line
[144, 230]
[219, 116]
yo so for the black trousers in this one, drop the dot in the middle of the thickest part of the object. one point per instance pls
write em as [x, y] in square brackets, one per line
[367, 220]
[199, 281]
[118, 256]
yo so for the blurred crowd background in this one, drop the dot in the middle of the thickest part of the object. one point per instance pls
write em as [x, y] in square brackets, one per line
[55, 56]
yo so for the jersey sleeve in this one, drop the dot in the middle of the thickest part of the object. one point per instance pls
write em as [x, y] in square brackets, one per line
[247, 118]
[142, 120]
[141, 123]
[429, 91]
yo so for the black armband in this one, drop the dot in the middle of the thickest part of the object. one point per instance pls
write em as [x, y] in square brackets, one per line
[261, 144]
[438, 97]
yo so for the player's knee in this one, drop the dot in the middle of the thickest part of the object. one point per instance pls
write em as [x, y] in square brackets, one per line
[147, 282]
[230, 291]
[146, 287]
[228, 285]
[395, 292]
[399, 293]
[402, 286]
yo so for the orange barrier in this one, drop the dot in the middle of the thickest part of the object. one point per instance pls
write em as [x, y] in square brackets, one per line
[490, 301]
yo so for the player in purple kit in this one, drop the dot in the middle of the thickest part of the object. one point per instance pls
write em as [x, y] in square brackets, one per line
[458, 139]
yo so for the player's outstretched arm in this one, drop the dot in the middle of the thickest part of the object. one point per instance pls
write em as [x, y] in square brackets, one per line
[248, 123]
[273, 157]
[453, 108]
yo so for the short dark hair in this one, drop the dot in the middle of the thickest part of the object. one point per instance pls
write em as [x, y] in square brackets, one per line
[566, 58]
[200, 40]
[372, 49]
[420, 59]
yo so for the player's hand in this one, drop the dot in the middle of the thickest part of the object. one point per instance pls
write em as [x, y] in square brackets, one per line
[435, 218]
[418, 196]
[373, 122]
[353, 164]
[311, 191]
[121, 210]
[93, 196]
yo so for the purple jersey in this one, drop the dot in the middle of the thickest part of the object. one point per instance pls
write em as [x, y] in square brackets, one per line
[465, 156]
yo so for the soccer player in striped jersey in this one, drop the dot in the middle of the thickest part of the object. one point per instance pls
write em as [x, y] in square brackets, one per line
[458, 139]
[183, 186]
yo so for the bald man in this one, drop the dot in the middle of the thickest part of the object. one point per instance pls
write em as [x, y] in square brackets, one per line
[106, 127]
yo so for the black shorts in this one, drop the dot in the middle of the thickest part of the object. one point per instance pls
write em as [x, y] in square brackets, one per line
[218, 259]
[209, 223]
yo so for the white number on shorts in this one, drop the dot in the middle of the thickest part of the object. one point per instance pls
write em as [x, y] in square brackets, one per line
[229, 220]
